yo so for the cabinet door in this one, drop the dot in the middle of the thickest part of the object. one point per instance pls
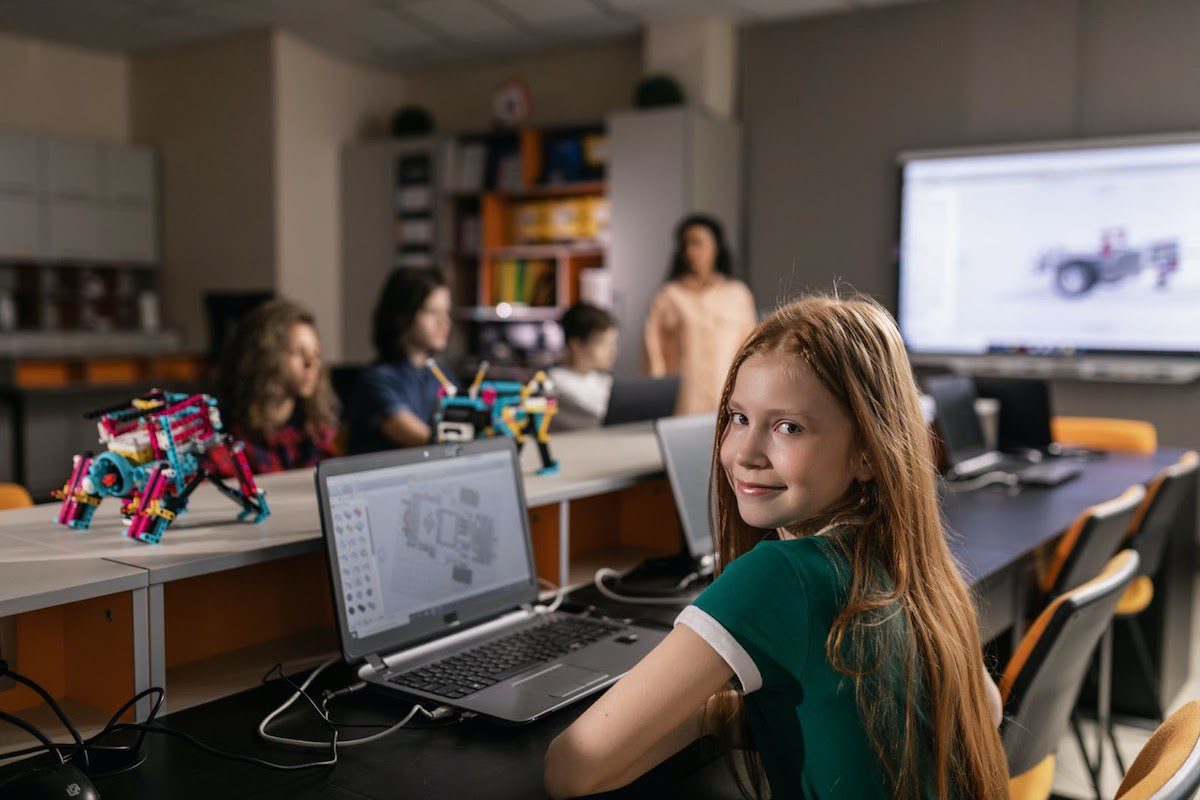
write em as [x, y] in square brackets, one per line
[128, 235]
[72, 171]
[73, 231]
[19, 164]
[20, 227]
[128, 176]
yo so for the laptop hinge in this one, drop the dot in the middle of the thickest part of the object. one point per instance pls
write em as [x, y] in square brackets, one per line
[376, 663]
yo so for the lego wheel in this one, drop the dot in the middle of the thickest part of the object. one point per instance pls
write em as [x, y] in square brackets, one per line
[1075, 278]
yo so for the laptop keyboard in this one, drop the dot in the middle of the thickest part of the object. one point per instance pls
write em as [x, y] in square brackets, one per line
[479, 667]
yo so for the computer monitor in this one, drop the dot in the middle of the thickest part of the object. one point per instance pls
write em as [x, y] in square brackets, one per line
[639, 399]
[1024, 411]
[1067, 248]
[957, 421]
[686, 444]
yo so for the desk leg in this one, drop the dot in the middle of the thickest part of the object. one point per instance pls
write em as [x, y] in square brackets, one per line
[1103, 699]
[1020, 592]
[141, 651]
[158, 641]
[564, 542]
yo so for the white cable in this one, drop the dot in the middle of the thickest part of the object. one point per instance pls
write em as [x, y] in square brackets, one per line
[986, 479]
[262, 728]
[559, 593]
[606, 572]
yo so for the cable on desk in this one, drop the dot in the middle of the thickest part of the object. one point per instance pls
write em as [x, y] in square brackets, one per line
[441, 712]
[93, 747]
[665, 600]
[986, 479]
[559, 593]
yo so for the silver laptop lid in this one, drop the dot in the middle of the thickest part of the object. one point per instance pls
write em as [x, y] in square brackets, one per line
[424, 540]
[686, 444]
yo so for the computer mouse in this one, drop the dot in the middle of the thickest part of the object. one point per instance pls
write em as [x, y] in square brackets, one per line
[60, 782]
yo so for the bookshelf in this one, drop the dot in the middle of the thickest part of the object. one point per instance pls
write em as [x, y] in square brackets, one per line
[530, 215]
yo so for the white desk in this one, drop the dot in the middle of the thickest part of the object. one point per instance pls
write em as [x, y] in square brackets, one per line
[44, 564]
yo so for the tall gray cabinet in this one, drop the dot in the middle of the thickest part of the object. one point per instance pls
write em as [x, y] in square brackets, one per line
[380, 214]
[662, 165]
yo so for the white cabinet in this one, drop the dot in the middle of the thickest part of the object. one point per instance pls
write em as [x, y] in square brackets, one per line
[72, 171]
[129, 235]
[73, 231]
[128, 176]
[20, 227]
[76, 201]
[20, 165]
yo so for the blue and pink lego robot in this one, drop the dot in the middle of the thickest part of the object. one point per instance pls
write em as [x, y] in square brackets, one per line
[507, 408]
[154, 459]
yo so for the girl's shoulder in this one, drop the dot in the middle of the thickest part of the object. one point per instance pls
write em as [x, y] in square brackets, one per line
[813, 559]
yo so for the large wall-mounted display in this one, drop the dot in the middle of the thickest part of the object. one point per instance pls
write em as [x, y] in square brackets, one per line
[1064, 249]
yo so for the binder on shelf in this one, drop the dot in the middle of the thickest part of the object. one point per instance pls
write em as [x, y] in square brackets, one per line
[472, 159]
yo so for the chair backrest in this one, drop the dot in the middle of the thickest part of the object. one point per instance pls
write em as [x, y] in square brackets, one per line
[1168, 766]
[1090, 542]
[1106, 433]
[14, 495]
[1158, 511]
[1042, 680]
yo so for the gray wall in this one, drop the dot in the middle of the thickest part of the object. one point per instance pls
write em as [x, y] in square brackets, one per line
[829, 102]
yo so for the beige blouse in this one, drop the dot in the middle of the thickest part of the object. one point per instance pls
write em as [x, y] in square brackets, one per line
[697, 332]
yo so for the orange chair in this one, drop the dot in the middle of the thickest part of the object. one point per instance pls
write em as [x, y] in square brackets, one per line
[1045, 675]
[1148, 534]
[1093, 538]
[1105, 433]
[13, 495]
[1168, 767]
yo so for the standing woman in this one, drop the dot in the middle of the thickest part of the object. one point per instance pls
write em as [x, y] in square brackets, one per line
[275, 392]
[699, 317]
[395, 398]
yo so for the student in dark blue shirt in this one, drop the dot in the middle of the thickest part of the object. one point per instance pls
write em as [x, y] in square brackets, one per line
[394, 401]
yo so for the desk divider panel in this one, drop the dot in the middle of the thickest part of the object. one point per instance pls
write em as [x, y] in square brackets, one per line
[615, 530]
[221, 612]
[82, 654]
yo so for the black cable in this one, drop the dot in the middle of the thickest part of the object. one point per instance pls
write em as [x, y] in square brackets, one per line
[192, 740]
[34, 732]
[298, 690]
[50, 701]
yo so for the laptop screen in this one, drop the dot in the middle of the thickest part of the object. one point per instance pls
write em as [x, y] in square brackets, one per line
[422, 546]
[686, 444]
[957, 421]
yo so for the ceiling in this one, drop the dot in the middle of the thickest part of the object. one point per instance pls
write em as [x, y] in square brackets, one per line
[386, 33]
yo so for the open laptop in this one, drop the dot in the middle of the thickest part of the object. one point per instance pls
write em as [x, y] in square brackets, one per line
[639, 399]
[686, 444]
[434, 587]
[1025, 414]
[963, 439]
[1024, 421]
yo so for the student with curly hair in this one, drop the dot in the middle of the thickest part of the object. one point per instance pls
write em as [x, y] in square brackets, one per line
[274, 390]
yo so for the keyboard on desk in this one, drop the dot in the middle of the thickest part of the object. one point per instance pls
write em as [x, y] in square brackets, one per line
[1048, 473]
[479, 667]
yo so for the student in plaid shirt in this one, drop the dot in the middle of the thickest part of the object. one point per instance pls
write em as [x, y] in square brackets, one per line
[275, 393]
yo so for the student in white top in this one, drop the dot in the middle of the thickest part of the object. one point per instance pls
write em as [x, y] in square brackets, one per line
[583, 381]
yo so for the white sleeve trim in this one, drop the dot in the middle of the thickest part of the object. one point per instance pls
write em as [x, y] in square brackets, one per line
[727, 647]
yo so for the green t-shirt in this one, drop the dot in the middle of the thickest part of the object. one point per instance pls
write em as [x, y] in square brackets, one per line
[768, 615]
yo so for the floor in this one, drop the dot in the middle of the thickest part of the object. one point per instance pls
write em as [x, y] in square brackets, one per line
[1071, 778]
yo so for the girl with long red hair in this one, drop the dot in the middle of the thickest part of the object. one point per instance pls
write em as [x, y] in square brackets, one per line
[837, 615]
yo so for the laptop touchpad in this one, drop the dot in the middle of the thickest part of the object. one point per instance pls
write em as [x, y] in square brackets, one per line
[561, 680]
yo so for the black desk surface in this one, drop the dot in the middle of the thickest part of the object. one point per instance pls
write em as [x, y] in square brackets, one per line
[993, 530]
